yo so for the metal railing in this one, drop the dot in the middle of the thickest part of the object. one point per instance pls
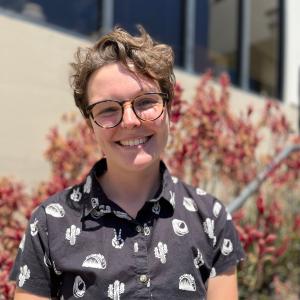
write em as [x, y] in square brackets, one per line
[254, 185]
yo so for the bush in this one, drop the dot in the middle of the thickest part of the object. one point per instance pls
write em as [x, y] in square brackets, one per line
[222, 152]
[210, 147]
[15, 207]
[271, 238]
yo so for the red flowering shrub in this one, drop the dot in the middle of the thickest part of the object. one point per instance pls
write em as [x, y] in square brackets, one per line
[210, 147]
[72, 154]
[222, 152]
[15, 208]
[272, 246]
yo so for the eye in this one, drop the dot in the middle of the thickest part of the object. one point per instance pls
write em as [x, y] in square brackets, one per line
[106, 108]
[146, 102]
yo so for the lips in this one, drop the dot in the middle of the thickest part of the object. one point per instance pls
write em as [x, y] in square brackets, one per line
[134, 142]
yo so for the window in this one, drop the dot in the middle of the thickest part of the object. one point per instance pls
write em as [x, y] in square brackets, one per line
[216, 37]
[264, 47]
[162, 19]
[82, 16]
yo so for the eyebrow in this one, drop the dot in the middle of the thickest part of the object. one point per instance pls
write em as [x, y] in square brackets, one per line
[131, 98]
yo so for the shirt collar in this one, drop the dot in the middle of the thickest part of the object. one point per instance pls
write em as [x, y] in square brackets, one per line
[95, 202]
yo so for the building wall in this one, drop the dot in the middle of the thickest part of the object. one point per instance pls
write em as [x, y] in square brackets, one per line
[291, 91]
[34, 93]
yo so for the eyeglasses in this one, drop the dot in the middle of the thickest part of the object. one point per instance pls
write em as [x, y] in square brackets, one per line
[109, 113]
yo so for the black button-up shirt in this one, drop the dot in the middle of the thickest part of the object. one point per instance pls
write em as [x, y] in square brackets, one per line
[80, 244]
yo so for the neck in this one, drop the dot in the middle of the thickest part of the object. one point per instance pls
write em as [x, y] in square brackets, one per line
[131, 189]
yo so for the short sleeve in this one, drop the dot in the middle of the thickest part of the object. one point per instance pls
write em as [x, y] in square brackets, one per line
[33, 269]
[228, 251]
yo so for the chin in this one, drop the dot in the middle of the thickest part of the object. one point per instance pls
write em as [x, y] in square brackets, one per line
[142, 162]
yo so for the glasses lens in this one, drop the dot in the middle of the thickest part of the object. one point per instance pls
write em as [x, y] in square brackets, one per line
[107, 113]
[149, 106]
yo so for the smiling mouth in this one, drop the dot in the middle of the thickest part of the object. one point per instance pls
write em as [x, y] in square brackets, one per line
[134, 142]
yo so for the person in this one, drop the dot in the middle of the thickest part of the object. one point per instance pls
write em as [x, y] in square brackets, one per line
[130, 230]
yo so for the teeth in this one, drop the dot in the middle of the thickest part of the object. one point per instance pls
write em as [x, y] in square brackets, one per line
[134, 142]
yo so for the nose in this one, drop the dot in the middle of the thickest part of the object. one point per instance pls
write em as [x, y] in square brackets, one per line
[130, 120]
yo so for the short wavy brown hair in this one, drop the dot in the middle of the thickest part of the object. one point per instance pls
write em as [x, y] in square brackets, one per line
[150, 58]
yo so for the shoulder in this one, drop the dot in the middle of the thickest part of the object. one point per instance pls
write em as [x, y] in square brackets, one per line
[195, 198]
[54, 206]
[57, 198]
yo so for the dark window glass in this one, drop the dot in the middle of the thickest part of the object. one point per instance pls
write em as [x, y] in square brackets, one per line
[216, 37]
[15, 5]
[81, 16]
[264, 47]
[162, 19]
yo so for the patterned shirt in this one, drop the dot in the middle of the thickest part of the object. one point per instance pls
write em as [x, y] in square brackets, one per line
[80, 244]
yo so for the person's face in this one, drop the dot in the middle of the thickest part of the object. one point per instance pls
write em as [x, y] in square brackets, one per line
[115, 82]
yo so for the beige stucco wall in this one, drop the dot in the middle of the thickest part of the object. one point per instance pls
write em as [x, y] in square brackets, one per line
[240, 99]
[34, 93]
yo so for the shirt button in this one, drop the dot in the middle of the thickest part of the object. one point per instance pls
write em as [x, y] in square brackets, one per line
[146, 230]
[143, 278]
[138, 228]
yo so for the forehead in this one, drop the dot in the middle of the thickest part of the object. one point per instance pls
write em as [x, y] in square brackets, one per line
[114, 81]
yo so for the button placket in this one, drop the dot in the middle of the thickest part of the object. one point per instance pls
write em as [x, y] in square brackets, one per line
[140, 253]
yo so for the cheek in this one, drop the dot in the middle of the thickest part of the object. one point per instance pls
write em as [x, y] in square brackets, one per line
[163, 126]
[163, 120]
[102, 136]
[166, 126]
